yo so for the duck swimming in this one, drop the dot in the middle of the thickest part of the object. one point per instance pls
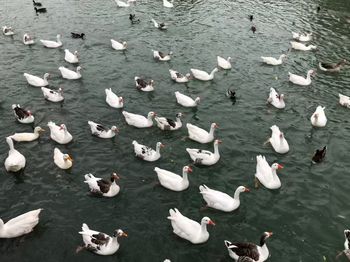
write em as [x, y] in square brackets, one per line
[328, 67]
[319, 155]
[23, 116]
[249, 252]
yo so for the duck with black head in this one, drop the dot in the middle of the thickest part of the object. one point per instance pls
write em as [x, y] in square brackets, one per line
[77, 35]
[36, 3]
[40, 10]
[249, 252]
[319, 155]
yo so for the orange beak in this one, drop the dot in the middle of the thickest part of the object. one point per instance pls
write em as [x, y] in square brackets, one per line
[246, 189]
[280, 166]
[125, 234]
[211, 223]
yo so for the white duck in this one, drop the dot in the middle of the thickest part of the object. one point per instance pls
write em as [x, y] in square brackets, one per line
[202, 75]
[319, 118]
[118, 46]
[189, 229]
[168, 124]
[53, 95]
[63, 161]
[160, 56]
[27, 137]
[20, 225]
[60, 133]
[122, 3]
[27, 39]
[52, 44]
[272, 60]
[113, 100]
[7, 30]
[186, 101]
[101, 243]
[344, 100]
[69, 74]
[71, 57]
[37, 81]
[303, 37]
[173, 181]
[168, 4]
[139, 121]
[143, 85]
[204, 157]
[103, 187]
[221, 201]
[302, 47]
[267, 175]
[179, 78]
[15, 161]
[146, 153]
[23, 116]
[224, 63]
[200, 135]
[249, 252]
[101, 131]
[299, 80]
[161, 26]
[278, 141]
[275, 99]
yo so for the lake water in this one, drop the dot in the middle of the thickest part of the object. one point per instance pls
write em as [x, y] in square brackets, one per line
[307, 215]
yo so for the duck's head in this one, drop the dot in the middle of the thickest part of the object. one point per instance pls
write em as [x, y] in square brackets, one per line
[67, 157]
[63, 127]
[214, 125]
[178, 115]
[264, 237]
[207, 221]
[125, 44]
[115, 129]
[311, 72]
[217, 141]
[187, 169]
[243, 189]
[121, 100]
[46, 75]
[76, 53]
[276, 166]
[151, 82]
[151, 114]
[159, 144]
[347, 233]
[120, 233]
[38, 129]
[114, 177]
[79, 68]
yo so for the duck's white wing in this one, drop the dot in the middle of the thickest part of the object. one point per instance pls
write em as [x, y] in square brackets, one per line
[24, 222]
[214, 196]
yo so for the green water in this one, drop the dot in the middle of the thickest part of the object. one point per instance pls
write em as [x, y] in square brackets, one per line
[307, 215]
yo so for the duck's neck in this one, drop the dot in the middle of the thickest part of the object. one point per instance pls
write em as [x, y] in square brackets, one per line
[10, 143]
[308, 77]
[280, 58]
[197, 100]
[158, 149]
[184, 175]
[264, 250]
[216, 149]
[211, 131]
[236, 195]
[178, 120]
[203, 228]
[213, 72]
[274, 173]
[59, 40]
